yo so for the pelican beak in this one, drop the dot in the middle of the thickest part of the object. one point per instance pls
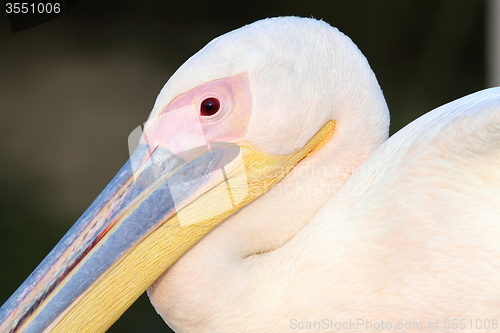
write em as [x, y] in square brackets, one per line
[158, 206]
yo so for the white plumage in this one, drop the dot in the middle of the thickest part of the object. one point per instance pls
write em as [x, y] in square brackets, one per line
[412, 236]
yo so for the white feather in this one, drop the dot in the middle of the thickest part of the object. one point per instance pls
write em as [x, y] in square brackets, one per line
[412, 236]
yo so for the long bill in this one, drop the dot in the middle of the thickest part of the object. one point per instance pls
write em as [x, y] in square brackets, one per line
[157, 207]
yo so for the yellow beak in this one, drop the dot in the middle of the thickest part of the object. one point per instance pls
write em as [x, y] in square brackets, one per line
[156, 208]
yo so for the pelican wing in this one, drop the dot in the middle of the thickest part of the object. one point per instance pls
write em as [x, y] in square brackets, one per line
[414, 233]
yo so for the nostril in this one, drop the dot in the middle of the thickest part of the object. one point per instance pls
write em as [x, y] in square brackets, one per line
[157, 165]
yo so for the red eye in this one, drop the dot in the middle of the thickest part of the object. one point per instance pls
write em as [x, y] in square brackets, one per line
[209, 106]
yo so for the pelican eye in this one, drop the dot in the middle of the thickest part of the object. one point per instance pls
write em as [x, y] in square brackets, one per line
[209, 106]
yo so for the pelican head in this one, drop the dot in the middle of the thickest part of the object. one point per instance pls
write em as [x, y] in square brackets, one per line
[259, 108]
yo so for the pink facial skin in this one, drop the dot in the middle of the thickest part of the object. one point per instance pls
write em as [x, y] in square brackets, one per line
[181, 127]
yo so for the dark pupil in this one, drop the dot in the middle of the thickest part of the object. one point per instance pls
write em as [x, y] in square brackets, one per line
[209, 106]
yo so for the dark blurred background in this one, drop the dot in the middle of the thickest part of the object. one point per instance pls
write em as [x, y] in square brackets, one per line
[71, 90]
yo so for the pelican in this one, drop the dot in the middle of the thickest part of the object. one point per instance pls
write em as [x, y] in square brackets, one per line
[265, 196]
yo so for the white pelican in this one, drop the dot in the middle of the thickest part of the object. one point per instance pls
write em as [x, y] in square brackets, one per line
[356, 232]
